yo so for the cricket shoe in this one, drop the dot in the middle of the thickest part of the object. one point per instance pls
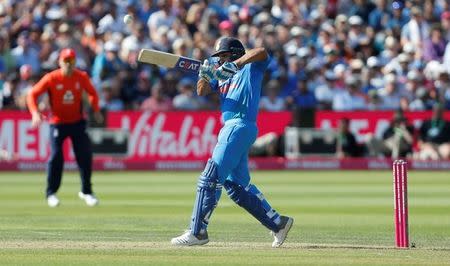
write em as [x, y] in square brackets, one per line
[280, 236]
[90, 199]
[52, 201]
[188, 239]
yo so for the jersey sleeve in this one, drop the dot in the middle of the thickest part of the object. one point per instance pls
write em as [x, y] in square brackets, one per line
[39, 88]
[261, 65]
[214, 85]
[92, 93]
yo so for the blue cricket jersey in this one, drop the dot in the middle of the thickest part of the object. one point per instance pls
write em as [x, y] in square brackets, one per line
[239, 95]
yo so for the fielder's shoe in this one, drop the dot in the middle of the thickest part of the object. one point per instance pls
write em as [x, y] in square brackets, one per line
[52, 200]
[280, 236]
[188, 239]
[90, 199]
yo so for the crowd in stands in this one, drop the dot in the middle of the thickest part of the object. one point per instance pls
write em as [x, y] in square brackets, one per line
[326, 54]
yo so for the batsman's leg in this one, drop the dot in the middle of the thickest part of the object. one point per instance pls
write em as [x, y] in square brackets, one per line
[208, 194]
[249, 197]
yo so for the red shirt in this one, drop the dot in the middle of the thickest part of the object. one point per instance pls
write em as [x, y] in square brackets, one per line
[65, 94]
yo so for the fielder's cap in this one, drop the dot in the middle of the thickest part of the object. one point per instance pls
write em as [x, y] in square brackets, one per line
[67, 53]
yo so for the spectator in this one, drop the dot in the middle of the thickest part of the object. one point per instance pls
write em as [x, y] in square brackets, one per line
[26, 54]
[160, 18]
[271, 101]
[186, 99]
[397, 139]
[300, 41]
[416, 30]
[379, 17]
[390, 93]
[302, 98]
[110, 95]
[350, 99]
[434, 46]
[157, 102]
[434, 136]
[347, 146]
[107, 64]
[324, 93]
[445, 23]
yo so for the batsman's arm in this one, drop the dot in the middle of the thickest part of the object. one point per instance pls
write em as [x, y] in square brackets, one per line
[203, 87]
[252, 55]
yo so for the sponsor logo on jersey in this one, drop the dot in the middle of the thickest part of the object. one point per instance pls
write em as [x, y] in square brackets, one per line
[68, 97]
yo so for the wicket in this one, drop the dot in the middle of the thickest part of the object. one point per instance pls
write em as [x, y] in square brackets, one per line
[399, 170]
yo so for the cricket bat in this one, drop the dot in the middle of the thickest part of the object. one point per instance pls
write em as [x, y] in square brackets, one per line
[149, 56]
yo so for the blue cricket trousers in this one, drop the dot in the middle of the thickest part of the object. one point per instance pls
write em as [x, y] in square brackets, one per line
[83, 154]
[231, 152]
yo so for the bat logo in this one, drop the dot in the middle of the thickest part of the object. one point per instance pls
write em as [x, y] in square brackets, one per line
[188, 65]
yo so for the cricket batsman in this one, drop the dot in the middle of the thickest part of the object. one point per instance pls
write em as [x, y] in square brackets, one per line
[65, 87]
[237, 75]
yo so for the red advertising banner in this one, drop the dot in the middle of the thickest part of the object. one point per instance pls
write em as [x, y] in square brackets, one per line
[363, 123]
[181, 135]
[153, 136]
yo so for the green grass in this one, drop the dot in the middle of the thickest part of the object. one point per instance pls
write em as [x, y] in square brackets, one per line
[343, 218]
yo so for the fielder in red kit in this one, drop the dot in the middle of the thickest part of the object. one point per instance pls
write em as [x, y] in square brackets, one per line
[65, 87]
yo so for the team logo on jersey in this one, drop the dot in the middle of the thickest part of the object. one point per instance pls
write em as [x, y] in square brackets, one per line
[68, 97]
[77, 85]
[59, 87]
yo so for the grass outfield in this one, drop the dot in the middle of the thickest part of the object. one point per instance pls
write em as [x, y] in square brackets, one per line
[340, 218]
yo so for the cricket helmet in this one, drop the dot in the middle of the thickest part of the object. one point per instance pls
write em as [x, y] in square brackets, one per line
[229, 44]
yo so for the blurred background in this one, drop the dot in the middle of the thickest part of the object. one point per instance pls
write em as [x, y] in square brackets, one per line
[351, 83]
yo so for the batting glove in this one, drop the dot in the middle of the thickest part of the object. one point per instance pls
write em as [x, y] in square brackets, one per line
[226, 71]
[206, 71]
